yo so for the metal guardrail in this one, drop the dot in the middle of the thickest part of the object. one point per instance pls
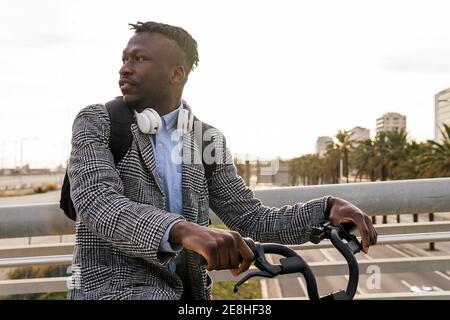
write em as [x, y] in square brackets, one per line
[391, 265]
[62, 254]
[405, 197]
[399, 233]
[38, 285]
[337, 268]
[375, 198]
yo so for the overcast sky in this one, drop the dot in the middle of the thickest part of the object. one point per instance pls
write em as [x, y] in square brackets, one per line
[273, 75]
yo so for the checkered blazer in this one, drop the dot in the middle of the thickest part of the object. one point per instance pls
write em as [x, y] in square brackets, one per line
[122, 218]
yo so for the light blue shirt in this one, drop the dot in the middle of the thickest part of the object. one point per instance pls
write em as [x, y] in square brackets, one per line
[168, 147]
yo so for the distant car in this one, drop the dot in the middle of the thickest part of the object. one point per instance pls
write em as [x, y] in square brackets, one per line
[423, 288]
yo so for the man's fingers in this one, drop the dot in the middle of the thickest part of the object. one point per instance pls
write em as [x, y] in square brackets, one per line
[213, 258]
[364, 232]
[372, 232]
[246, 254]
[235, 272]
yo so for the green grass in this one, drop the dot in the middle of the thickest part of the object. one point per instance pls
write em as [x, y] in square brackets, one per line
[224, 290]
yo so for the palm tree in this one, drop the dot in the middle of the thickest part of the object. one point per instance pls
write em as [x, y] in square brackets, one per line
[312, 168]
[435, 162]
[345, 146]
[363, 160]
[331, 162]
[397, 152]
[380, 156]
[409, 168]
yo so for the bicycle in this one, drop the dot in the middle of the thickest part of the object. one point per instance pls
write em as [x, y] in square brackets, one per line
[342, 239]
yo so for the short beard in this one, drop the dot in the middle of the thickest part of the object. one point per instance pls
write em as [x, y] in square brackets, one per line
[131, 104]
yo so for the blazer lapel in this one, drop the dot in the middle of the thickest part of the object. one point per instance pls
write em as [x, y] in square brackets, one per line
[146, 149]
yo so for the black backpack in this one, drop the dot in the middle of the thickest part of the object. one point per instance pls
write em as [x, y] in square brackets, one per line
[120, 138]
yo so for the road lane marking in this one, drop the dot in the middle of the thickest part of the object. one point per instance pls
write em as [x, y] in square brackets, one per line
[406, 284]
[398, 251]
[443, 275]
[439, 273]
[328, 256]
[303, 286]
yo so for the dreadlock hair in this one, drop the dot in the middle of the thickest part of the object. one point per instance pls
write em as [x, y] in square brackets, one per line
[178, 34]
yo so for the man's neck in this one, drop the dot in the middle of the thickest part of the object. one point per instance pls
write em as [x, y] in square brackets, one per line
[162, 111]
[168, 106]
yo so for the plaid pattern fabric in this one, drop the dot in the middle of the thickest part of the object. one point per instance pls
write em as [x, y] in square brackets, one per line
[121, 216]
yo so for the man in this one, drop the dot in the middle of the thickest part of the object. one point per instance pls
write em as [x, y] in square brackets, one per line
[142, 224]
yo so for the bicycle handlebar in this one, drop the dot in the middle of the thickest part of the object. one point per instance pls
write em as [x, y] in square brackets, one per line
[293, 263]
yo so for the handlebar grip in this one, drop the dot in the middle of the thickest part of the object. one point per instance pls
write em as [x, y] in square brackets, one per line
[252, 245]
[349, 227]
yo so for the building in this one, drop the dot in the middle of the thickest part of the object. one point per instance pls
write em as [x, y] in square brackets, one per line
[360, 134]
[391, 121]
[322, 143]
[441, 112]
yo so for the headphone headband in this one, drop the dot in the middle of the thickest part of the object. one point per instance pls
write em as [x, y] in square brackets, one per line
[150, 122]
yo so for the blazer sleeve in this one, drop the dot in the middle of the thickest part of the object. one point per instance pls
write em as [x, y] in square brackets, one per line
[236, 205]
[98, 195]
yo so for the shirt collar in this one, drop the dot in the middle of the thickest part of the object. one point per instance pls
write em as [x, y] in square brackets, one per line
[170, 120]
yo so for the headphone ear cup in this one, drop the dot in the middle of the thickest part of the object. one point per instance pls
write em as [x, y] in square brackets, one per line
[143, 122]
[155, 120]
[149, 121]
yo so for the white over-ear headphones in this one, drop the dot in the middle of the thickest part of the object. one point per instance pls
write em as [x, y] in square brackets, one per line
[149, 121]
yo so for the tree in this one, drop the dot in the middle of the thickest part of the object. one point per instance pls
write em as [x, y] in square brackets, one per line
[381, 148]
[331, 163]
[397, 147]
[435, 162]
[363, 160]
[345, 146]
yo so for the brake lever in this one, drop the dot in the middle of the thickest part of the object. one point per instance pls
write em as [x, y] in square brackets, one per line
[267, 270]
[264, 274]
[319, 233]
[352, 242]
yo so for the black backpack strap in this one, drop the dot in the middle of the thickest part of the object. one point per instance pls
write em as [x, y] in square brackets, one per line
[120, 138]
[65, 202]
[209, 168]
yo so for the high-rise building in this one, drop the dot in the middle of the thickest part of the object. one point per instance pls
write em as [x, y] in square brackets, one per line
[360, 134]
[391, 121]
[322, 143]
[441, 112]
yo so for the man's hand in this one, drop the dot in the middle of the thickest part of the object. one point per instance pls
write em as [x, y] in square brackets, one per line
[221, 249]
[343, 211]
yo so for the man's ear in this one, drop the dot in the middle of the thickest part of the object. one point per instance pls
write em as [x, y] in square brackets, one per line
[179, 75]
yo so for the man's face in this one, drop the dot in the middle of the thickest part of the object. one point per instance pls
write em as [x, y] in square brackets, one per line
[145, 76]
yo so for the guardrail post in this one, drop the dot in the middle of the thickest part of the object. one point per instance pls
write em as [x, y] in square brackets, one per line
[374, 219]
[431, 218]
[384, 219]
[415, 217]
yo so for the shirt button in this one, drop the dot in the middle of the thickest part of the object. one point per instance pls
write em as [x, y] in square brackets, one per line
[159, 145]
